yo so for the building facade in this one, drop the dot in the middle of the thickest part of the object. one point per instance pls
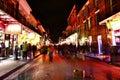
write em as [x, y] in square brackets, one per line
[99, 26]
[17, 25]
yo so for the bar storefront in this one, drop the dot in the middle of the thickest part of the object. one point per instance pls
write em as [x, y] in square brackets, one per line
[113, 36]
[12, 32]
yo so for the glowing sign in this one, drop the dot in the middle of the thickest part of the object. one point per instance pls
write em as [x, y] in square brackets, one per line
[13, 29]
[114, 24]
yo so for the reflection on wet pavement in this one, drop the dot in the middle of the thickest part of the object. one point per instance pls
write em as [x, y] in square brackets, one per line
[62, 69]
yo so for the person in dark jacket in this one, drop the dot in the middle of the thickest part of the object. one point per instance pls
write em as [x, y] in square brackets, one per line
[34, 48]
[50, 52]
[16, 52]
[43, 52]
[24, 50]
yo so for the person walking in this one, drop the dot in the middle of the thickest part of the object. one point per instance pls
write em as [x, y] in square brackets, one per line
[50, 53]
[16, 52]
[24, 50]
[29, 51]
[34, 48]
[2, 49]
[43, 53]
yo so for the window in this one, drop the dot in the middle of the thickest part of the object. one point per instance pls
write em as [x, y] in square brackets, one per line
[97, 18]
[115, 6]
[89, 23]
[84, 14]
[88, 9]
[95, 3]
[78, 20]
[85, 26]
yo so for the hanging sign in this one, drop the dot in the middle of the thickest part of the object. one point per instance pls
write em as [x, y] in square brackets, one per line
[13, 29]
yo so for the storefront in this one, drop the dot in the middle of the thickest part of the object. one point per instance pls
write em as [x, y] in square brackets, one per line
[72, 39]
[12, 32]
[113, 36]
[29, 36]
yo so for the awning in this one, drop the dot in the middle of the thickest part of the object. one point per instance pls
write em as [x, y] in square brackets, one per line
[112, 22]
[117, 15]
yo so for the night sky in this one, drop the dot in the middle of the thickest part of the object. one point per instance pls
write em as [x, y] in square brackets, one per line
[53, 14]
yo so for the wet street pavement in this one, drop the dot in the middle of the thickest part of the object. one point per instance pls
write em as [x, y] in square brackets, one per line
[62, 69]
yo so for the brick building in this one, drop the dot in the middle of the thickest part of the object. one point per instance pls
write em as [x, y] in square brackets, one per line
[98, 24]
[89, 17]
[16, 23]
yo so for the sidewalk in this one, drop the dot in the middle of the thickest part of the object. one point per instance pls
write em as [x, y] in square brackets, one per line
[104, 58]
[8, 66]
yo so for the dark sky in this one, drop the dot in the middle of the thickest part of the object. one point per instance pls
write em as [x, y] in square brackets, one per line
[53, 14]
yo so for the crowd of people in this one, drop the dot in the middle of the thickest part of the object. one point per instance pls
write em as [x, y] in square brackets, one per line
[48, 50]
[25, 50]
[65, 50]
[71, 50]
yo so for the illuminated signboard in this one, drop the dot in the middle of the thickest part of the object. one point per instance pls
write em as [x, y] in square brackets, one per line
[13, 29]
[114, 24]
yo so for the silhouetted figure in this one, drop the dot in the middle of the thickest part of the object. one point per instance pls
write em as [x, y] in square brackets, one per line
[50, 53]
[24, 50]
[3, 49]
[34, 48]
[43, 52]
[16, 52]
[29, 51]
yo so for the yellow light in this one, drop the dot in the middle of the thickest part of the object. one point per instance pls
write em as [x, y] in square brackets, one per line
[31, 35]
[13, 29]
[114, 24]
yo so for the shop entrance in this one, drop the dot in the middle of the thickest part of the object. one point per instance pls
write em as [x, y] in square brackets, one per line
[99, 38]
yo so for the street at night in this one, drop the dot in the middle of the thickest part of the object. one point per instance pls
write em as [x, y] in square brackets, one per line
[60, 40]
[62, 69]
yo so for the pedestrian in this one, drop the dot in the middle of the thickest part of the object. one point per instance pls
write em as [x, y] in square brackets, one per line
[16, 52]
[29, 51]
[59, 49]
[24, 50]
[34, 48]
[21, 54]
[50, 53]
[43, 52]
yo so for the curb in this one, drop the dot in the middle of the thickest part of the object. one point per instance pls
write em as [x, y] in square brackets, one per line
[18, 67]
[117, 65]
[12, 71]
